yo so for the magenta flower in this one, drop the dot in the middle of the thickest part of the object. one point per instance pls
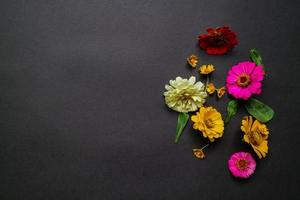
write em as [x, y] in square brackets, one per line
[244, 79]
[241, 164]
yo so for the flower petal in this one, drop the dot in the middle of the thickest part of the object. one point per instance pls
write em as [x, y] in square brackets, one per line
[237, 69]
[248, 67]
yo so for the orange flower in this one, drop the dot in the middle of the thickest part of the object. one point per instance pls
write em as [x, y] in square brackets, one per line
[211, 88]
[199, 153]
[192, 60]
[221, 91]
[206, 69]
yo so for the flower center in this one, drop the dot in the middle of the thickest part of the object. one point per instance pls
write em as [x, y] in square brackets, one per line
[242, 164]
[255, 138]
[193, 60]
[219, 40]
[209, 123]
[243, 80]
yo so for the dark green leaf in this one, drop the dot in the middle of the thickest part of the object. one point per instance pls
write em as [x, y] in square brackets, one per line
[232, 107]
[181, 123]
[259, 110]
[255, 57]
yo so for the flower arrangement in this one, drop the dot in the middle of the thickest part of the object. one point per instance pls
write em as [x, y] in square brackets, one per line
[187, 96]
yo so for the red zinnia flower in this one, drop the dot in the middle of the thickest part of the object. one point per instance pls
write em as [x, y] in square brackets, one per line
[218, 41]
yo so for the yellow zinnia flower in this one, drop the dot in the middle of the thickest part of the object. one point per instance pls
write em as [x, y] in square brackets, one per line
[211, 88]
[192, 60]
[221, 91]
[206, 69]
[209, 121]
[256, 134]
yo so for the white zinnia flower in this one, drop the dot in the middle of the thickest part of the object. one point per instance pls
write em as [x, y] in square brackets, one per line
[184, 95]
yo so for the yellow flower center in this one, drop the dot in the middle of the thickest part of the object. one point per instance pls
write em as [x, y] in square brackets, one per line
[243, 80]
[255, 138]
[185, 97]
[209, 123]
[242, 164]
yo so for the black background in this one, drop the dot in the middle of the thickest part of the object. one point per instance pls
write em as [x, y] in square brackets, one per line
[82, 112]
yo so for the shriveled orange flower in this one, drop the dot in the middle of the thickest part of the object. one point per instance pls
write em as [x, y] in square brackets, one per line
[221, 91]
[192, 60]
[199, 153]
[206, 69]
[256, 134]
[211, 88]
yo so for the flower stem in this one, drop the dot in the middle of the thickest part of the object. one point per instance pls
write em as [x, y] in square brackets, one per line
[207, 81]
[204, 146]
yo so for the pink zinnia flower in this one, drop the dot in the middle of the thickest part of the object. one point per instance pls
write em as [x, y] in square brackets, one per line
[241, 164]
[244, 79]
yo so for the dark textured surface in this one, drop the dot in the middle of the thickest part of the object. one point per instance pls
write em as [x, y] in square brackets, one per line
[82, 113]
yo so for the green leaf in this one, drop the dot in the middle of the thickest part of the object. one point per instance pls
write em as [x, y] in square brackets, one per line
[259, 110]
[181, 123]
[255, 57]
[232, 107]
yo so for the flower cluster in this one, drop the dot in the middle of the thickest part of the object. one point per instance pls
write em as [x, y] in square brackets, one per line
[243, 82]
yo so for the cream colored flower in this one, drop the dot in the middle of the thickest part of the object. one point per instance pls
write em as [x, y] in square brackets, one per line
[185, 95]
